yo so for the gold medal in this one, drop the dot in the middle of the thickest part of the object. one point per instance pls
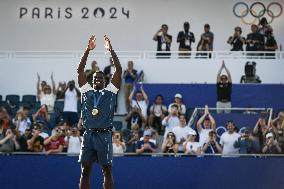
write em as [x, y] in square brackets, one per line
[95, 111]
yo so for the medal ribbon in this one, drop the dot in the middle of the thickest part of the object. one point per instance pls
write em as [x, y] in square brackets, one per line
[97, 100]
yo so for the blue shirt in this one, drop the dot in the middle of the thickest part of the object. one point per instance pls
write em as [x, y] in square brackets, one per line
[105, 106]
[141, 143]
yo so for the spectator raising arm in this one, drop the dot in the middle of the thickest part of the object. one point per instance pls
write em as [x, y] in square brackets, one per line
[53, 84]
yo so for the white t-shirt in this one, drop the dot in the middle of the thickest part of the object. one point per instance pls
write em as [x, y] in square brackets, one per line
[23, 125]
[181, 132]
[70, 101]
[117, 149]
[158, 109]
[49, 100]
[74, 144]
[192, 146]
[204, 136]
[141, 105]
[227, 141]
[170, 124]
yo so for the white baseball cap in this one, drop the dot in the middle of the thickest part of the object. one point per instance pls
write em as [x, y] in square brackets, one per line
[178, 95]
[192, 132]
[268, 135]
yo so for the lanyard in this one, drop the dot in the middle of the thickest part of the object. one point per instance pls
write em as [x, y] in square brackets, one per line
[97, 100]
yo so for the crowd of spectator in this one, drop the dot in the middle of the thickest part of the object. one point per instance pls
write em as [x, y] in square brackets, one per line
[261, 38]
[149, 127]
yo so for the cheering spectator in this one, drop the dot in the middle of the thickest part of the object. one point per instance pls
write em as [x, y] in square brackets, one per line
[135, 117]
[157, 113]
[118, 144]
[71, 97]
[145, 145]
[23, 140]
[40, 85]
[263, 26]
[54, 143]
[42, 117]
[4, 117]
[192, 147]
[270, 43]
[6, 139]
[171, 121]
[129, 75]
[178, 102]
[236, 40]
[246, 143]
[169, 145]
[73, 141]
[228, 139]
[35, 143]
[185, 38]
[209, 125]
[132, 139]
[60, 90]
[22, 122]
[261, 129]
[141, 100]
[224, 90]
[212, 146]
[181, 132]
[164, 41]
[271, 145]
[206, 41]
[255, 40]
[278, 121]
[48, 96]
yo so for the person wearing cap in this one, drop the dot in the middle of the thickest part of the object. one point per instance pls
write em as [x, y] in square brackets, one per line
[171, 121]
[178, 102]
[205, 124]
[48, 96]
[271, 145]
[224, 90]
[192, 147]
[246, 143]
[181, 132]
[228, 139]
[145, 145]
[236, 40]
[185, 38]
[212, 146]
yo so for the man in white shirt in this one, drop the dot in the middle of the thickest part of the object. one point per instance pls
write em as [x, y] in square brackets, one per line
[141, 100]
[181, 132]
[71, 96]
[208, 123]
[171, 121]
[228, 139]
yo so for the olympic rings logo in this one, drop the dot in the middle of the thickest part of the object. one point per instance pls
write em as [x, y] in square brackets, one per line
[257, 10]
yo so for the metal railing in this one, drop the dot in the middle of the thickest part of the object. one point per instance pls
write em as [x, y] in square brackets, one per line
[277, 55]
[150, 154]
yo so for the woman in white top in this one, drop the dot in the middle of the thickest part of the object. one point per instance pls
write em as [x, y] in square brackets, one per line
[179, 103]
[118, 144]
[46, 95]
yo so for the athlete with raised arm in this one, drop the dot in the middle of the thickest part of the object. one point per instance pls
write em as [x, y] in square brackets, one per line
[98, 104]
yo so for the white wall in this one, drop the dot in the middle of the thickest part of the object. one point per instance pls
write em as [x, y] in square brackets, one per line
[134, 33]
